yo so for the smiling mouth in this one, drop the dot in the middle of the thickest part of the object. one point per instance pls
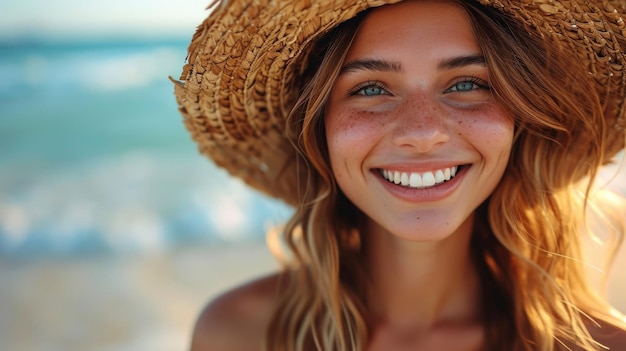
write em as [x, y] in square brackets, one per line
[419, 180]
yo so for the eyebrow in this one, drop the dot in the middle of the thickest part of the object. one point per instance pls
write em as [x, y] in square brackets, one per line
[393, 66]
[462, 61]
[371, 65]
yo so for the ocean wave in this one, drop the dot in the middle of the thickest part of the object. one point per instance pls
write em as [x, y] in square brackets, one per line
[96, 69]
[138, 201]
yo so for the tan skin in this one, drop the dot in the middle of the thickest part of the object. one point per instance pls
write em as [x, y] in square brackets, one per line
[461, 125]
[236, 321]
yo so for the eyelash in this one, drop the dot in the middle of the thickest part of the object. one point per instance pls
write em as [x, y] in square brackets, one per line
[369, 84]
[481, 84]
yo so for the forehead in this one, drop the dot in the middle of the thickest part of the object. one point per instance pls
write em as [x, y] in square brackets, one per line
[423, 26]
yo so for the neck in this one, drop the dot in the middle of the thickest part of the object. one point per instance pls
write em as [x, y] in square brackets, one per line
[422, 285]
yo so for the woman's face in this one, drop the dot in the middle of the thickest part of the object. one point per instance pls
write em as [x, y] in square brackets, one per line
[416, 139]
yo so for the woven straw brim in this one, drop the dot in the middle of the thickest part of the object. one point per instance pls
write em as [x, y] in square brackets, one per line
[240, 80]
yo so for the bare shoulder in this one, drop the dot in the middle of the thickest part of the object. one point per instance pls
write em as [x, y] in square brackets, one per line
[613, 337]
[237, 319]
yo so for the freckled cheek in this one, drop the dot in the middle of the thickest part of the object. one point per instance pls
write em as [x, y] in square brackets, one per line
[350, 131]
[493, 129]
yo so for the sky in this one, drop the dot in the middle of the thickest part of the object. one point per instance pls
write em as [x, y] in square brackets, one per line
[85, 18]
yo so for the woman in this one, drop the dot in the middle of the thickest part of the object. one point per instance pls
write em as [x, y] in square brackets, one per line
[433, 151]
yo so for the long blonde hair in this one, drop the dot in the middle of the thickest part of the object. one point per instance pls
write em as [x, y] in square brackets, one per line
[526, 242]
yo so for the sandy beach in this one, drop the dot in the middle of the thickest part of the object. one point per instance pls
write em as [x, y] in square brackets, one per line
[134, 303]
[113, 303]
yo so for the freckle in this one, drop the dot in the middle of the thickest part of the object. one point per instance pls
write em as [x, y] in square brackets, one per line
[417, 218]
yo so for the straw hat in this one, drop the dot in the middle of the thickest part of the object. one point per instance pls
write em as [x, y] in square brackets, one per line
[239, 83]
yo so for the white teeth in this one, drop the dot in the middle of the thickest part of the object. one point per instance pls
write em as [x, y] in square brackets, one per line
[396, 177]
[404, 179]
[419, 180]
[439, 177]
[415, 180]
[428, 179]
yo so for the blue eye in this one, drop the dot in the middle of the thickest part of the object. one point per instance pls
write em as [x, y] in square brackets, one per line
[369, 89]
[468, 85]
[463, 86]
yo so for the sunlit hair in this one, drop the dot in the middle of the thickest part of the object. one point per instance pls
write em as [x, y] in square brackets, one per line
[529, 256]
[537, 212]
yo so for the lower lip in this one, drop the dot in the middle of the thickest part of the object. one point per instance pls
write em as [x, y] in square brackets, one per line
[435, 193]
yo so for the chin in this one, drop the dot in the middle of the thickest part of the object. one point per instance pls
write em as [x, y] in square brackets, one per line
[422, 228]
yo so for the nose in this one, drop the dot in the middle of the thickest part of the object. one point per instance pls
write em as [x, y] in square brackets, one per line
[420, 126]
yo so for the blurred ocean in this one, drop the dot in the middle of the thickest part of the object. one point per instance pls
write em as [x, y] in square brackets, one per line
[94, 156]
